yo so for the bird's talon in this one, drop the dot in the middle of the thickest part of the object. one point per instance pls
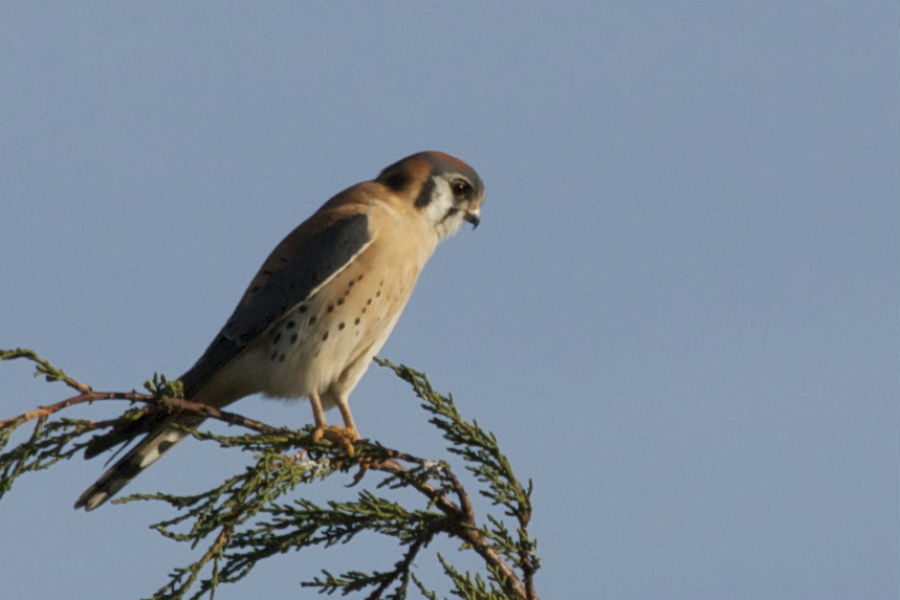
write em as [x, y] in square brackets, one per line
[342, 436]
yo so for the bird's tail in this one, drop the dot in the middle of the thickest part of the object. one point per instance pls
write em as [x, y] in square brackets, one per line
[147, 452]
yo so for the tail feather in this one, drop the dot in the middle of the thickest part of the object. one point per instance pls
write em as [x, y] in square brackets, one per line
[147, 452]
[126, 431]
[162, 431]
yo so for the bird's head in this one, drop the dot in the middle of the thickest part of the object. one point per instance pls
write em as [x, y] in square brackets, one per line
[444, 190]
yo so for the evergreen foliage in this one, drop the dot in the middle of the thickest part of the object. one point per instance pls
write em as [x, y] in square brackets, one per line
[255, 514]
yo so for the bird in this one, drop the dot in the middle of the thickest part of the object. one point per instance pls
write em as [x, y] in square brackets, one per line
[318, 310]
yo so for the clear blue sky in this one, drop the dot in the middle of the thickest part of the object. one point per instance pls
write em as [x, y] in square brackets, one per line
[680, 313]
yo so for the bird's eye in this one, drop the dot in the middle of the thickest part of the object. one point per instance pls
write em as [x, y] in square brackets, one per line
[461, 188]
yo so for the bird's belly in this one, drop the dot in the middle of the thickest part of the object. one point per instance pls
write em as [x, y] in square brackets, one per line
[314, 346]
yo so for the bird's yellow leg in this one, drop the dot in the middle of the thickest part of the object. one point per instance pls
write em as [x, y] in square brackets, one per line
[343, 436]
[348, 418]
[350, 429]
[318, 416]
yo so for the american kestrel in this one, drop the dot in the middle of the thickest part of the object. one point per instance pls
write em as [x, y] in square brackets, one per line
[320, 307]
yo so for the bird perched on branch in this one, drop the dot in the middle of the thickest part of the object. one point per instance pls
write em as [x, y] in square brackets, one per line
[320, 307]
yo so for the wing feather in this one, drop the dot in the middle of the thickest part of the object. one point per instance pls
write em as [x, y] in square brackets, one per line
[290, 275]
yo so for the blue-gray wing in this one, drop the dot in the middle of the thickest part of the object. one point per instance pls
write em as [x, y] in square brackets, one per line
[294, 270]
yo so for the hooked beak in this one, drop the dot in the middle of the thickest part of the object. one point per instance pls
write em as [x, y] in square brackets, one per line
[473, 216]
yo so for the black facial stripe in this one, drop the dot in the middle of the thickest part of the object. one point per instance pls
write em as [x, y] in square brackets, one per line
[450, 212]
[397, 181]
[425, 194]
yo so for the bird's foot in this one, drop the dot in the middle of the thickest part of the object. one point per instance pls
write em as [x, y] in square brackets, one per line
[342, 436]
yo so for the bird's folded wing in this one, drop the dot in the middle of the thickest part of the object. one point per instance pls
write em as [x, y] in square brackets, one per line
[285, 280]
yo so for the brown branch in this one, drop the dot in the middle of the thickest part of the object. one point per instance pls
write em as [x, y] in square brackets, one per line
[206, 410]
[166, 404]
[87, 394]
[530, 592]
[45, 411]
[511, 582]
[460, 522]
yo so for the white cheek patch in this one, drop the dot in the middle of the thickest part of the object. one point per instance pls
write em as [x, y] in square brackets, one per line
[436, 212]
[441, 200]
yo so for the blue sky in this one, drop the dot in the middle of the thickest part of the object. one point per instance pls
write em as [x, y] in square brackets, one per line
[679, 316]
